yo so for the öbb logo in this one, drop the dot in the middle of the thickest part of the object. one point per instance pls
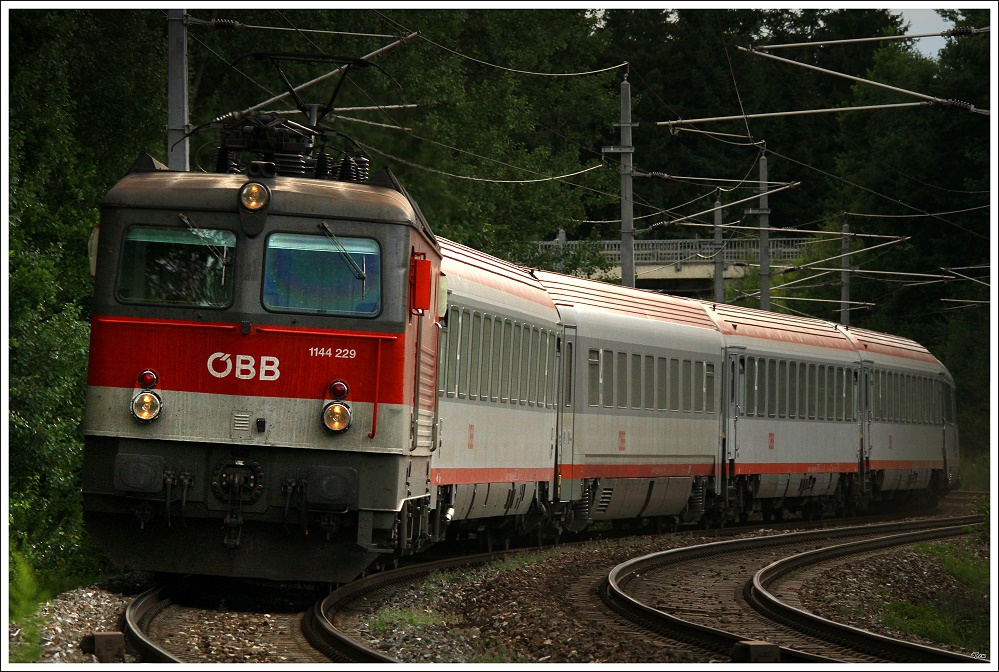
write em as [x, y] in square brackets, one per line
[221, 364]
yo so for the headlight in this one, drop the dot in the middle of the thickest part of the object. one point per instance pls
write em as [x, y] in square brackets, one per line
[336, 416]
[146, 406]
[254, 196]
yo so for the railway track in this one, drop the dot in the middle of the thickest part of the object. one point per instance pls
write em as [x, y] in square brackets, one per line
[327, 630]
[727, 595]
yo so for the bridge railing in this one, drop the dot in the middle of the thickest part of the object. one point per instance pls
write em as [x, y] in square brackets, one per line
[694, 251]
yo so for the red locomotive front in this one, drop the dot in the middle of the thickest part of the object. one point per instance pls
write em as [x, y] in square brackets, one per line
[258, 350]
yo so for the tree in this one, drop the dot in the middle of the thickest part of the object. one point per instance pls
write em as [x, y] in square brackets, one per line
[64, 148]
[482, 123]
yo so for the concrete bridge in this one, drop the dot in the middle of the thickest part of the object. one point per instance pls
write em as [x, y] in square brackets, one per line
[687, 266]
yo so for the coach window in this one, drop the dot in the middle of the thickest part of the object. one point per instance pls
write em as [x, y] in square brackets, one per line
[537, 391]
[474, 360]
[636, 381]
[650, 382]
[521, 351]
[811, 384]
[543, 368]
[802, 390]
[322, 274]
[454, 330]
[180, 267]
[893, 414]
[622, 379]
[674, 384]
[698, 385]
[488, 352]
[709, 387]
[928, 401]
[442, 362]
[773, 383]
[751, 386]
[822, 393]
[853, 376]
[463, 353]
[949, 408]
[661, 384]
[882, 400]
[593, 375]
[530, 395]
[782, 389]
[686, 385]
[569, 368]
[548, 379]
[740, 387]
[792, 389]
[504, 372]
[607, 376]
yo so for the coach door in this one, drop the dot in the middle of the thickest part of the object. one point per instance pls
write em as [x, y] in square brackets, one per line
[564, 456]
[870, 412]
[736, 383]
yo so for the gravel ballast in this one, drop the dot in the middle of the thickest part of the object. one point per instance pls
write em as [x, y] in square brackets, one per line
[522, 615]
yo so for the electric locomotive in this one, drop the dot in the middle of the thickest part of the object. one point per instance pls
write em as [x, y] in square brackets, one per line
[260, 395]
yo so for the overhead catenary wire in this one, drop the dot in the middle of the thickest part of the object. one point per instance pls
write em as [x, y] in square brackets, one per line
[332, 73]
[934, 99]
[790, 113]
[232, 24]
[930, 214]
[506, 68]
[710, 210]
[953, 32]
[478, 179]
[875, 193]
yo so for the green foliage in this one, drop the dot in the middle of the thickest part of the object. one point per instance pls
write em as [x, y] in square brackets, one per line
[981, 506]
[522, 559]
[390, 619]
[940, 625]
[963, 622]
[25, 597]
[976, 470]
[67, 146]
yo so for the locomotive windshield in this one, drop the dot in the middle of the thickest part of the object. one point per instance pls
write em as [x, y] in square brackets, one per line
[191, 267]
[322, 274]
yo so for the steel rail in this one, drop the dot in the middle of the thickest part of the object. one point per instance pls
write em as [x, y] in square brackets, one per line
[324, 636]
[765, 602]
[138, 615]
[615, 596]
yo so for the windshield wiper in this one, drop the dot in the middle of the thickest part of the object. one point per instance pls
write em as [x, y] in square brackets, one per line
[345, 255]
[209, 243]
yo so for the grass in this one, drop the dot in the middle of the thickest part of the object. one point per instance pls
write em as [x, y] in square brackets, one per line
[389, 619]
[26, 595]
[956, 622]
[975, 472]
[522, 559]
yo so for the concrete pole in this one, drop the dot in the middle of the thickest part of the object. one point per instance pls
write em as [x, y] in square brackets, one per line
[844, 287]
[764, 237]
[178, 154]
[719, 255]
[627, 201]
